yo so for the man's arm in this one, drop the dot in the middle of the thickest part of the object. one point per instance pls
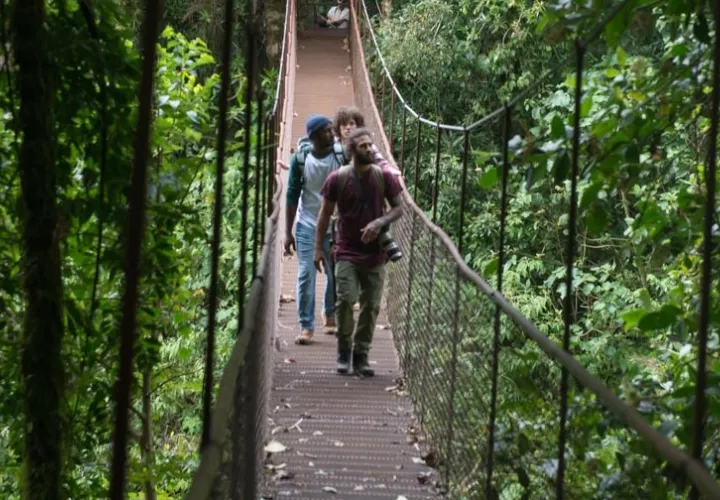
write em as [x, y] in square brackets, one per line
[323, 221]
[291, 202]
[395, 212]
[372, 230]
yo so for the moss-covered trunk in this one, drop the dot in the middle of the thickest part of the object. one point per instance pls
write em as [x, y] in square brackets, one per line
[42, 369]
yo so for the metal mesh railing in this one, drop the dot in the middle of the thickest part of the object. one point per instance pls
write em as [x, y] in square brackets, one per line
[232, 461]
[235, 427]
[505, 411]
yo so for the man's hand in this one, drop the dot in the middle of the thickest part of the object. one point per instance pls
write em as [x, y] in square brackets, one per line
[371, 231]
[281, 166]
[289, 244]
[319, 259]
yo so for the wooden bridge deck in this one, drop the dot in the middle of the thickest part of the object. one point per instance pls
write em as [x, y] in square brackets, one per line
[346, 437]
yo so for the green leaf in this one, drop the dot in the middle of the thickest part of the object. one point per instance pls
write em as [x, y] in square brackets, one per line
[489, 178]
[590, 194]
[490, 269]
[604, 128]
[700, 28]
[561, 167]
[615, 28]
[596, 220]
[662, 318]
[621, 56]
[632, 318]
[585, 107]
[557, 130]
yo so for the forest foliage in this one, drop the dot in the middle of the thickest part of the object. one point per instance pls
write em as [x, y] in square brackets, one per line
[645, 130]
[645, 118]
[94, 65]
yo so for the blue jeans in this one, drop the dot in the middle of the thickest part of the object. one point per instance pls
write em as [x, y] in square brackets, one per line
[305, 241]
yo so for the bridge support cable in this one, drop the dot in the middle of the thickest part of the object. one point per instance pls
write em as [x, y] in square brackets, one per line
[440, 294]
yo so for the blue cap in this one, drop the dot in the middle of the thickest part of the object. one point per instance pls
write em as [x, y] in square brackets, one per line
[315, 123]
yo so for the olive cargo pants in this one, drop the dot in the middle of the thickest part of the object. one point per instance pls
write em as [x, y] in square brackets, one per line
[355, 282]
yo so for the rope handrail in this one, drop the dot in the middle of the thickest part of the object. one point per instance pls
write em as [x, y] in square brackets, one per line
[281, 66]
[697, 472]
[593, 35]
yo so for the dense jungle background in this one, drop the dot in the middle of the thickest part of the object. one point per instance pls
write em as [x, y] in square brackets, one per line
[645, 112]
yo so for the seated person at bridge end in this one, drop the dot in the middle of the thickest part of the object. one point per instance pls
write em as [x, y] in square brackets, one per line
[358, 191]
[337, 17]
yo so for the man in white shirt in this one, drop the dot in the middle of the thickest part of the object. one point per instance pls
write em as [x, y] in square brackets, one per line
[338, 17]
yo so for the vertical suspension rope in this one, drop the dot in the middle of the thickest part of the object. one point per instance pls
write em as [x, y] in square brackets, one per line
[456, 314]
[392, 121]
[135, 230]
[706, 279]
[436, 179]
[402, 140]
[417, 162]
[217, 221]
[270, 188]
[568, 303]
[259, 196]
[496, 332]
[250, 85]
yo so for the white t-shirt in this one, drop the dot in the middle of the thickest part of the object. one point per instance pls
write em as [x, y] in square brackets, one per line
[344, 14]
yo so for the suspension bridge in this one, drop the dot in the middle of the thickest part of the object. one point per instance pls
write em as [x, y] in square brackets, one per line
[431, 423]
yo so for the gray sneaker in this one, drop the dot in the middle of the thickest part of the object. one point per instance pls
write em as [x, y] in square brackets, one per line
[343, 362]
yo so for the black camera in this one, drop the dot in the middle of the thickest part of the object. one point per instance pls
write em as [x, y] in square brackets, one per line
[387, 243]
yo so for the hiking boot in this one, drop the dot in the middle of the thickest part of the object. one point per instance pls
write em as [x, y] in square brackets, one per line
[305, 337]
[361, 365]
[330, 325]
[343, 362]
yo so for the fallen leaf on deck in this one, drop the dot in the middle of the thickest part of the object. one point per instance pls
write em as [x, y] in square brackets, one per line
[274, 467]
[285, 299]
[283, 475]
[339, 444]
[418, 460]
[275, 447]
[329, 489]
[424, 477]
[289, 361]
[401, 498]
[317, 433]
[359, 488]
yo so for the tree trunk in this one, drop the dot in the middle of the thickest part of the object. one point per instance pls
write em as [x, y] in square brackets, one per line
[42, 369]
[146, 437]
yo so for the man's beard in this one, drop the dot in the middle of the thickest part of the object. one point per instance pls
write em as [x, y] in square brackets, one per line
[363, 160]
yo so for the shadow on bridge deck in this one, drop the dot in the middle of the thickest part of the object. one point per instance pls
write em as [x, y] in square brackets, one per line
[347, 437]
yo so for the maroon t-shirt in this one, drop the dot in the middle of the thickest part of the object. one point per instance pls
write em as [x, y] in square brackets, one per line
[352, 216]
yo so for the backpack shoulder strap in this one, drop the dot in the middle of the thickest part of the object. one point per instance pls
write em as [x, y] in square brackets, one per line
[300, 155]
[343, 176]
[380, 179]
[339, 152]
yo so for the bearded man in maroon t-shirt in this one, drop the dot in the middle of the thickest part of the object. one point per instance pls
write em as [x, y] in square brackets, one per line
[359, 191]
